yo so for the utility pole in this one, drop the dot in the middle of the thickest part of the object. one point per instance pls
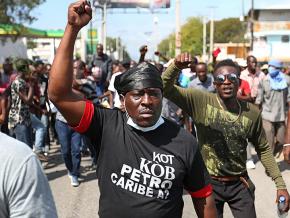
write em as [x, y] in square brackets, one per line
[104, 26]
[117, 48]
[122, 53]
[177, 28]
[102, 4]
[91, 36]
[242, 19]
[211, 34]
[204, 39]
[252, 27]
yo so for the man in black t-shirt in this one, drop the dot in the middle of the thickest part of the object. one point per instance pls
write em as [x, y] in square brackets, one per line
[144, 160]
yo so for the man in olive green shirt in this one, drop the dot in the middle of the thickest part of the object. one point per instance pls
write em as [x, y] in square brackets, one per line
[223, 126]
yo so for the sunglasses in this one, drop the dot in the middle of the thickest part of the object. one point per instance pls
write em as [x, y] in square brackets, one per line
[232, 77]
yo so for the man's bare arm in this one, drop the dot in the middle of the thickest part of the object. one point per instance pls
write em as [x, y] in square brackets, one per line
[205, 207]
[60, 92]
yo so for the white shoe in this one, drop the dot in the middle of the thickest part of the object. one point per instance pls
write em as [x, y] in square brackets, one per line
[74, 181]
[250, 164]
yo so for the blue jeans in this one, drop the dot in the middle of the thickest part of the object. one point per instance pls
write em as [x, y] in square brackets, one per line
[45, 121]
[23, 133]
[70, 142]
[39, 132]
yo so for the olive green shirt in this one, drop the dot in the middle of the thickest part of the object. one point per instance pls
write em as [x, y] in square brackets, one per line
[222, 135]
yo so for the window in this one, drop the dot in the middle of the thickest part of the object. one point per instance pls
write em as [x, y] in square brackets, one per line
[285, 38]
[263, 38]
[45, 43]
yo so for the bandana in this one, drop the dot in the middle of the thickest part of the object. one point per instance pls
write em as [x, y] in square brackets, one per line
[277, 79]
[142, 76]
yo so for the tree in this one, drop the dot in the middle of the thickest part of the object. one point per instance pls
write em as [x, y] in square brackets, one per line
[111, 46]
[167, 46]
[31, 44]
[18, 11]
[229, 30]
[226, 30]
[191, 38]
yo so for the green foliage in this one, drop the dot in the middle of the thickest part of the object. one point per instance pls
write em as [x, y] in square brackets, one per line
[17, 11]
[167, 46]
[111, 46]
[226, 30]
[31, 44]
[229, 30]
[191, 36]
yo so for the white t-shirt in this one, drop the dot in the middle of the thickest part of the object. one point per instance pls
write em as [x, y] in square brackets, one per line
[117, 102]
[24, 189]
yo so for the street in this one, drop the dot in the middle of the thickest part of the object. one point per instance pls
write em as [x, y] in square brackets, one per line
[83, 201]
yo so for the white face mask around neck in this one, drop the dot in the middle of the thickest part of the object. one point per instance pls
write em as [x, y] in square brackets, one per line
[145, 129]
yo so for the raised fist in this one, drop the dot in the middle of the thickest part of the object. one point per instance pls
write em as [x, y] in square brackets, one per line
[79, 13]
[157, 53]
[183, 60]
[143, 49]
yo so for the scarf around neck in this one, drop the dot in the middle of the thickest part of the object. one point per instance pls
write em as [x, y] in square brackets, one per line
[278, 81]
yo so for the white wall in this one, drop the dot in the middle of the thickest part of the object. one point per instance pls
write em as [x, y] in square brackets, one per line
[12, 49]
[45, 49]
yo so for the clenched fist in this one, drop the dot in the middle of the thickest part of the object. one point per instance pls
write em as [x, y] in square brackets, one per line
[183, 60]
[79, 13]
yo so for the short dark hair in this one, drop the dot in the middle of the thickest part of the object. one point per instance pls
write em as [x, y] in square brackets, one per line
[251, 56]
[227, 62]
[201, 63]
[38, 62]
[126, 64]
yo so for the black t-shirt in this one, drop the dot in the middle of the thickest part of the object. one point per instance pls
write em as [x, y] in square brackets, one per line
[142, 174]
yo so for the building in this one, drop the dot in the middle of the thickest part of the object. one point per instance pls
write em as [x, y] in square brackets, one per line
[232, 50]
[271, 34]
[36, 44]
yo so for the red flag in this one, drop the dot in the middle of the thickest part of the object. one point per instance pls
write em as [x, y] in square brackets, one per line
[216, 52]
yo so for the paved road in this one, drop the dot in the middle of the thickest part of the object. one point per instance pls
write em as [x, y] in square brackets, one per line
[82, 202]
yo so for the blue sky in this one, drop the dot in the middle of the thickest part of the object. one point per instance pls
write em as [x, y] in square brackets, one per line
[134, 28]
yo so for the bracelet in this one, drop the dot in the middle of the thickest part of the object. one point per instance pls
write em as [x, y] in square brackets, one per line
[285, 145]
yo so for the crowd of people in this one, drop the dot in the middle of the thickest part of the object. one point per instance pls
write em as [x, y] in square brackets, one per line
[151, 129]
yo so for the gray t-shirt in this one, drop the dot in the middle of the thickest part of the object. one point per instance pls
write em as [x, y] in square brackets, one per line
[274, 102]
[207, 86]
[24, 189]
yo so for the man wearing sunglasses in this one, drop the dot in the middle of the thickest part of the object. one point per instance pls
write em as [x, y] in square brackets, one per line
[223, 126]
